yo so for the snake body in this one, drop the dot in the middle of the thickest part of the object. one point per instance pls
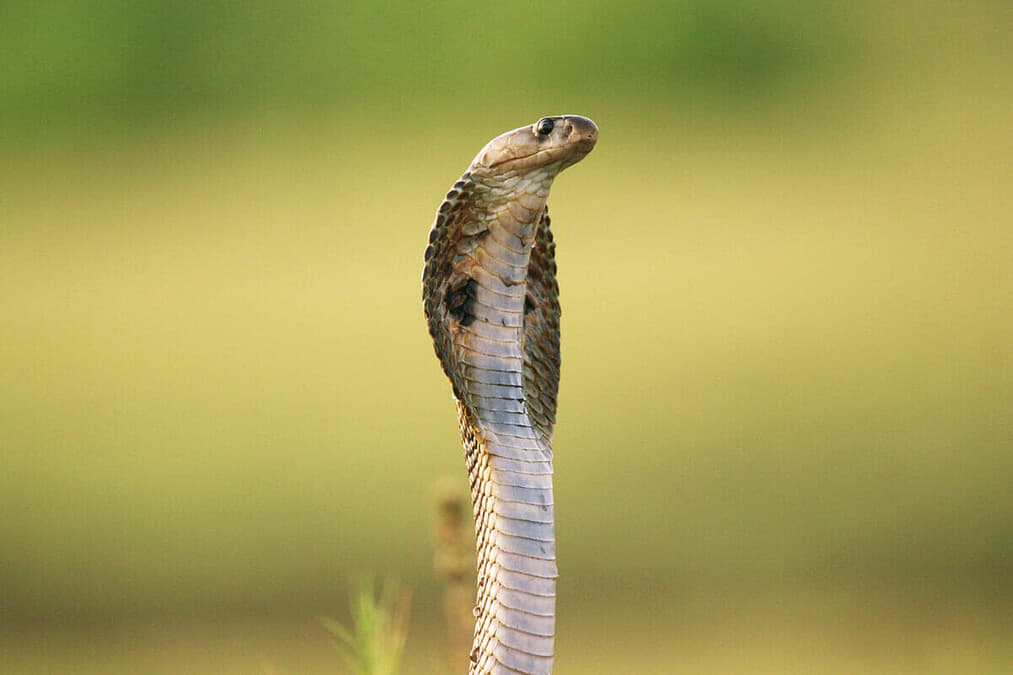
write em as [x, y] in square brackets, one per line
[492, 304]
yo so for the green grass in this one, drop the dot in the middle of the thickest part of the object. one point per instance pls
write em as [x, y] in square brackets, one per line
[374, 645]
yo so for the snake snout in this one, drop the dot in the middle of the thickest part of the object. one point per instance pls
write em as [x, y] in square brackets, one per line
[582, 131]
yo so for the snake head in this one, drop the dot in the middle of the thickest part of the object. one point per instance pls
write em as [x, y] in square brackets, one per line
[550, 144]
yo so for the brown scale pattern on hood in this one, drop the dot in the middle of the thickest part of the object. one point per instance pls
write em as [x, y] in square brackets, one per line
[541, 332]
[439, 277]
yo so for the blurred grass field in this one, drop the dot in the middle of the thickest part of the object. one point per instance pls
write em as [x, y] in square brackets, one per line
[785, 438]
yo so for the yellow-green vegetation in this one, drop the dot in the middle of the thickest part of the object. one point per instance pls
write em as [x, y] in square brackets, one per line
[784, 438]
[375, 642]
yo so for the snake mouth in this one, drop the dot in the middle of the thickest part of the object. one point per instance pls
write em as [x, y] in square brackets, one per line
[507, 161]
[569, 153]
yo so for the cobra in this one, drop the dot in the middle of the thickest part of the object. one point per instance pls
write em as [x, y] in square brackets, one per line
[491, 300]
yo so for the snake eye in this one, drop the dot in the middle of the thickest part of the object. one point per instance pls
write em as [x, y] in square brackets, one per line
[545, 126]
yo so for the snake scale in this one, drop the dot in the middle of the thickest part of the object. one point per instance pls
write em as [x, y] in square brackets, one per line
[492, 304]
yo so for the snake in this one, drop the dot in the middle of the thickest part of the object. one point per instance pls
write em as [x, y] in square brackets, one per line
[491, 301]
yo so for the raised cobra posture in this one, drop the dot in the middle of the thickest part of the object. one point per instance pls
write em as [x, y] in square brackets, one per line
[492, 303]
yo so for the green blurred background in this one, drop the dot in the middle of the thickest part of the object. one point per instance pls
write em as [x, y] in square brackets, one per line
[785, 438]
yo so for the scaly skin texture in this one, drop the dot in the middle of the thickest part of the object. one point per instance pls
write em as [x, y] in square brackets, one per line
[492, 303]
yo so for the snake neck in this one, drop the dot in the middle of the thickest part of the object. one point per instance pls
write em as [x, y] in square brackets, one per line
[509, 463]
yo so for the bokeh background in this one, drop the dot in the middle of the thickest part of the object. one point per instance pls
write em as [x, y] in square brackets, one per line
[785, 440]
